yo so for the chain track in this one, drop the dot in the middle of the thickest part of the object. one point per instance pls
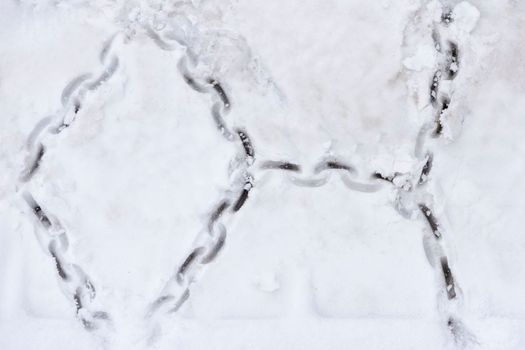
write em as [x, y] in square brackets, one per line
[210, 242]
[409, 187]
[76, 284]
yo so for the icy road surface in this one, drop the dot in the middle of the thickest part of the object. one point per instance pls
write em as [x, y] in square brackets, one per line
[263, 174]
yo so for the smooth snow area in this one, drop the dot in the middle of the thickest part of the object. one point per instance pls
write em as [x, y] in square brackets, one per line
[113, 170]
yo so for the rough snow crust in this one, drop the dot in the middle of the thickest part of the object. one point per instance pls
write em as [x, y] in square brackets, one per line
[272, 174]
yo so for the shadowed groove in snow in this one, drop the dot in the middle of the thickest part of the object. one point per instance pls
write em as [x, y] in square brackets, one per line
[73, 279]
[452, 60]
[220, 91]
[426, 169]
[449, 279]
[34, 164]
[271, 164]
[216, 229]
[431, 219]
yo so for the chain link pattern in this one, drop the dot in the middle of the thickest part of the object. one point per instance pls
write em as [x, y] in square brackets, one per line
[447, 69]
[210, 242]
[54, 239]
[411, 188]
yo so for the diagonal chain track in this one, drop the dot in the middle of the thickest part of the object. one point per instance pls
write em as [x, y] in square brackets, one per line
[54, 238]
[411, 188]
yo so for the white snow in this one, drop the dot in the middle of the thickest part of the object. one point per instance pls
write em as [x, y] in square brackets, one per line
[317, 259]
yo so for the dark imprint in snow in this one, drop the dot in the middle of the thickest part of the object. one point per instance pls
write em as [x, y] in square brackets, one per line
[192, 83]
[219, 244]
[445, 103]
[271, 164]
[447, 16]
[78, 300]
[246, 143]
[434, 87]
[449, 279]
[333, 164]
[60, 269]
[241, 200]
[426, 169]
[431, 219]
[452, 60]
[217, 213]
[77, 107]
[159, 302]
[217, 117]
[36, 163]
[378, 175]
[181, 301]
[42, 217]
[187, 263]
[101, 315]
[220, 91]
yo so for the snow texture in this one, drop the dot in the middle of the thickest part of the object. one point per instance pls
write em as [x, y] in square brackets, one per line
[299, 174]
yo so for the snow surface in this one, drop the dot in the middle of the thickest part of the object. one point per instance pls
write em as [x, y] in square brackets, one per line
[313, 260]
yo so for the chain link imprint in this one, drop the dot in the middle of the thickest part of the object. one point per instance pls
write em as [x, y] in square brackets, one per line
[212, 239]
[448, 69]
[415, 195]
[208, 244]
[405, 184]
[54, 239]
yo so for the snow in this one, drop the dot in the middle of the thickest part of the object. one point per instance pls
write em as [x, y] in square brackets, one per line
[136, 166]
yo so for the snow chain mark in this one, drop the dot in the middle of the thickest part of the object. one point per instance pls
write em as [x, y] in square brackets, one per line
[219, 109]
[246, 143]
[434, 87]
[431, 219]
[333, 164]
[271, 164]
[243, 196]
[34, 163]
[212, 241]
[177, 290]
[326, 167]
[447, 70]
[440, 104]
[404, 183]
[409, 183]
[74, 281]
[449, 279]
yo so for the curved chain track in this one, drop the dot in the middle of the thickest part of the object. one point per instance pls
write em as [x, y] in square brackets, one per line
[54, 238]
[211, 241]
[411, 188]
